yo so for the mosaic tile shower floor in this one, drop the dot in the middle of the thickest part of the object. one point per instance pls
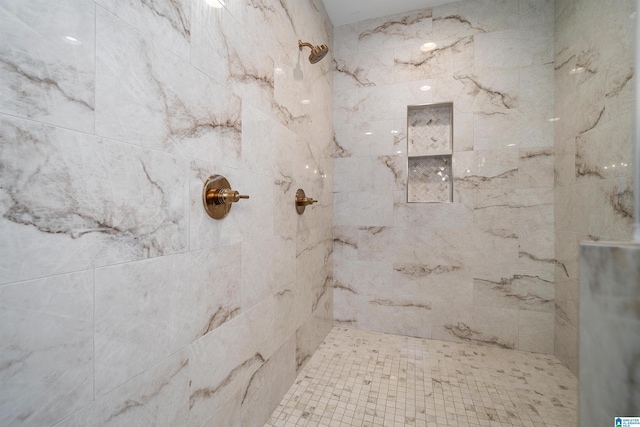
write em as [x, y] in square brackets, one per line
[370, 379]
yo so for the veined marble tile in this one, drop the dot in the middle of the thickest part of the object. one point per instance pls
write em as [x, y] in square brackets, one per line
[523, 47]
[569, 212]
[440, 285]
[346, 308]
[268, 147]
[132, 206]
[566, 299]
[158, 396]
[408, 317]
[484, 91]
[322, 317]
[399, 132]
[183, 110]
[46, 331]
[578, 211]
[314, 248]
[462, 131]
[168, 22]
[382, 173]
[471, 17]
[458, 214]
[536, 12]
[410, 28]
[285, 217]
[514, 209]
[311, 334]
[379, 138]
[345, 108]
[362, 209]
[566, 345]
[270, 25]
[536, 253]
[453, 246]
[565, 162]
[605, 151]
[514, 128]
[346, 241]
[229, 415]
[321, 284]
[505, 287]
[536, 86]
[374, 242]
[271, 381]
[364, 278]
[536, 331]
[476, 325]
[147, 310]
[220, 48]
[390, 101]
[620, 99]
[486, 169]
[452, 56]
[345, 40]
[566, 255]
[345, 139]
[267, 266]
[616, 219]
[363, 70]
[536, 167]
[578, 83]
[214, 36]
[291, 88]
[293, 304]
[249, 339]
[47, 61]
[346, 174]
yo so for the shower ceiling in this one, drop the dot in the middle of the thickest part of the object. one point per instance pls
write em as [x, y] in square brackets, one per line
[347, 11]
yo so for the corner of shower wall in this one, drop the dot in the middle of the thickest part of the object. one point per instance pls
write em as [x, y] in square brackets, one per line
[593, 146]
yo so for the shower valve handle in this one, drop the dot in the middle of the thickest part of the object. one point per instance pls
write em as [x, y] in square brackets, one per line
[305, 201]
[302, 201]
[224, 196]
[218, 197]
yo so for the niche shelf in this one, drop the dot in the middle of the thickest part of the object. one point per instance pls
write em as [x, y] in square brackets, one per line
[430, 153]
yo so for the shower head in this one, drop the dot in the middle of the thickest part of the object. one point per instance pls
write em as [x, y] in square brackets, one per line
[317, 52]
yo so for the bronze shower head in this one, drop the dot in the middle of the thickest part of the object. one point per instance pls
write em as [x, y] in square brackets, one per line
[317, 52]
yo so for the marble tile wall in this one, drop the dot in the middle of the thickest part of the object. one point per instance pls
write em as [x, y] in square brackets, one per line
[121, 301]
[609, 332]
[481, 269]
[593, 145]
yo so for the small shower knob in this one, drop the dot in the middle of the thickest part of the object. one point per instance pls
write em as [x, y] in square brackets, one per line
[302, 201]
[217, 196]
[225, 196]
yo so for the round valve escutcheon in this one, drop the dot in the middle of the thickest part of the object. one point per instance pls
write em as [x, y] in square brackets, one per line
[218, 197]
[302, 201]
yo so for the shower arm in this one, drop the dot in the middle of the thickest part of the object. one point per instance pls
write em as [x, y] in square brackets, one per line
[302, 44]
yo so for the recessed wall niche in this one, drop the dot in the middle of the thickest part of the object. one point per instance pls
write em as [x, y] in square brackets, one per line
[430, 153]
